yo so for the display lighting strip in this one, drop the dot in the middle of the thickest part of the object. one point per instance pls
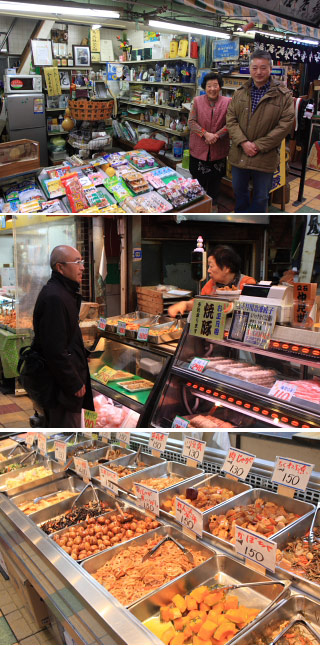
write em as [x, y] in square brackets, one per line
[188, 29]
[15, 7]
[292, 348]
[275, 418]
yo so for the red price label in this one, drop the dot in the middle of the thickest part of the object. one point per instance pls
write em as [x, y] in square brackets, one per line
[102, 324]
[143, 334]
[148, 498]
[121, 328]
[198, 365]
[256, 548]
[189, 516]
[238, 463]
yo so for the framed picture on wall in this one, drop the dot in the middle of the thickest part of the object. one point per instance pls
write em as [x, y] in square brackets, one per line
[41, 52]
[81, 56]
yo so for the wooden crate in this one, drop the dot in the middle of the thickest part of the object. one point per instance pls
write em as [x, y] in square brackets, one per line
[19, 156]
[154, 301]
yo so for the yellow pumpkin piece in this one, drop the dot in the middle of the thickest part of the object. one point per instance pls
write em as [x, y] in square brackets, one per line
[174, 613]
[179, 602]
[238, 616]
[168, 635]
[231, 602]
[187, 633]
[207, 629]
[180, 623]
[199, 593]
[218, 608]
[221, 619]
[191, 603]
[252, 612]
[195, 624]
[156, 626]
[213, 597]
[192, 614]
[177, 639]
[203, 606]
[225, 632]
[196, 640]
[164, 613]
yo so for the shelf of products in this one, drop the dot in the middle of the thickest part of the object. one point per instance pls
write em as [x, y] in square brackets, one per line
[158, 60]
[161, 83]
[156, 127]
[152, 105]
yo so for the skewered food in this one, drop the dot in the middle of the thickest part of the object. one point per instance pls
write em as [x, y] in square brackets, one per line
[202, 498]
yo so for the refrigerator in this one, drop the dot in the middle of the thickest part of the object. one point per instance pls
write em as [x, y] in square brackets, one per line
[26, 119]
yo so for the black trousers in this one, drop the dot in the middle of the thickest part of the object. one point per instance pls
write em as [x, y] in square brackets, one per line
[209, 174]
[59, 417]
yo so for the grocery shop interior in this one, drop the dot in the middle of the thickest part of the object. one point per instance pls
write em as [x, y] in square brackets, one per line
[196, 323]
[150, 537]
[97, 105]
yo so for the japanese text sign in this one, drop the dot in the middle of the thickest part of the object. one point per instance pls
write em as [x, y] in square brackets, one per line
[256, 548]
[121, 328]
[143, 334]
[90, 418]
[109, 479]
[194, 449]
[102, 324]
[60, 451]
[82, 468]
[292, 473]
[158, 441]
[123, 436]
[148, 498]
[29, 440]
[105, 436]
[238, 463]
[282, 390]
[189, 516]
[42, 443]
[198, 365]
[253, 323]
[52, 81]
[180, 422]
[208, 318]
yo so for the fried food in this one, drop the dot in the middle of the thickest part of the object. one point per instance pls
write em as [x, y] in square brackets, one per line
[203, 498]
[298, 634]
[160, 483]
[30, 507]
[77, 515]
[301, 558]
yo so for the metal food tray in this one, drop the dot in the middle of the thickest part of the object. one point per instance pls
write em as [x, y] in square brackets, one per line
[297, 531]
[165, 336]
[290, 504]
[126, 507]
[149, 460]
[216, 480]
[295, 608]
[111, 327]
[221, 570]
[43, 461]
[80, 445]
[72, 483]
[93, 563]
[15, 451]
[145, 322]
[161, 471]
[13, 458]
[100, 453]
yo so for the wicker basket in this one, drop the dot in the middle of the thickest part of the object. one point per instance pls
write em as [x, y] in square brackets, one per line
[91, 110]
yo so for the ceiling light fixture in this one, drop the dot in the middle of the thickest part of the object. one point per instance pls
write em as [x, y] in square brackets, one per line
[96, 26]
[305, 41]
[188, 29]
[271, 34]
[15, 7]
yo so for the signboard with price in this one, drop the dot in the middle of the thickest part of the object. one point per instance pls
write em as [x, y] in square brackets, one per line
[282, 390]
[253, 323]
[238, 463]
[42, 443]
[102, 324]
[60, 451]
[158, 441]
[82, 468]
[105, 436]
[90, 418]
[148, 498]
[198, 365]
[29, 440]
[189, 516]
[180, 422]
[256, 548]
[143, 334]
[121, 328]
[123, 437]
[292, 473]
[193, 449]
[208, 318]
[109, 479]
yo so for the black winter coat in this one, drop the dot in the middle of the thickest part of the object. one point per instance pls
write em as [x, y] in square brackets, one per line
[58, 338]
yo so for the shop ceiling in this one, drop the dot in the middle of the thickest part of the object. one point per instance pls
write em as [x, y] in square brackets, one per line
[271, 14]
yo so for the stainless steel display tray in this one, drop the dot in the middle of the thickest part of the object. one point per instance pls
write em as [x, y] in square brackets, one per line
[213, 481]
[221, 570]
[14, 452]
[297, 531]
[163, 334]
[295, 608]
[14, 458]
[290, 504]
[148, 459]
[80, 445]
[161, 471]
[148, 321]
[72, 483]
[100, 453]
[112, 327]
[93, 563]
[51, 464]
[139, 514]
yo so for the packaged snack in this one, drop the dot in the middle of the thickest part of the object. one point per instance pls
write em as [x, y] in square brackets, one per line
[117, 187]
[58, 171]
[75, 193]
[112, 208]
[52, 207]
[33, 206]
[54, 187]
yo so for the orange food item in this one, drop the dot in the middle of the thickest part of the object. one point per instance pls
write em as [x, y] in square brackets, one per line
[225, 632]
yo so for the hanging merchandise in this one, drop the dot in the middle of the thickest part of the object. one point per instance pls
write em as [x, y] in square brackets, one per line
[174, 45]
[183, 47]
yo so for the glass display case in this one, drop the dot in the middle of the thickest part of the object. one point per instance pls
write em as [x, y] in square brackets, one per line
[241, 386]
[126, 376]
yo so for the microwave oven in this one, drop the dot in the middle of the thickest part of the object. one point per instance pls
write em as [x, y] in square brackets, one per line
[27, 83]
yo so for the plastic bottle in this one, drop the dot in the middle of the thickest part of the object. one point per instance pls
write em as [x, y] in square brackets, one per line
[186, 159]
[194, 49]
[183, 47]
[193, 72]
[174, 46]
[197, 258]
[60, 120]
[49, 124]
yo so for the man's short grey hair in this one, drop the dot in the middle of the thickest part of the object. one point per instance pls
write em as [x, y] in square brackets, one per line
[59, 254]
[259, 53]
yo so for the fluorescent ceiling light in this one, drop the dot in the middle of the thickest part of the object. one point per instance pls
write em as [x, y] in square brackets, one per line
[271, 34]
[57, 10]
[96, 26]
[187, 29]
[303, 40]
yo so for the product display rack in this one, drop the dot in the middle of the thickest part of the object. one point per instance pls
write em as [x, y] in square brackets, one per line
[156, 127]
[152, 105]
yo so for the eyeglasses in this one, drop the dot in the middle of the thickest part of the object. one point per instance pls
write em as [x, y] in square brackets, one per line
[72, 262]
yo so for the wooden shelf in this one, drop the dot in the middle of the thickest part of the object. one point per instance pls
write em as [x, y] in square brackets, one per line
[152, 105]
[55, 109]
[51, 134]
[161, 128]
[157, 60]
[172, 84]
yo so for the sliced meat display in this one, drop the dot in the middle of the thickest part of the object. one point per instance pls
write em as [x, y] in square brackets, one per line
[307, 389]
[244, 371]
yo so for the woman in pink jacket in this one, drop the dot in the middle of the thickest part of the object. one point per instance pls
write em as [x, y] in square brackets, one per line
[209, 139]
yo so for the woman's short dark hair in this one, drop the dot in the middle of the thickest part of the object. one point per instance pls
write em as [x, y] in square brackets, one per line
[226, 257]
[211, 76]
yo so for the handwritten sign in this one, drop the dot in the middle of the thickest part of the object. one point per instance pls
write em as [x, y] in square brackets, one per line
[198, 365]
[121, 328]
[180, 422]
[238, 463]
[42, 443]
[102, 324]
[82, 468]
[158, 441]
[282, 390]
[256, 548]
[90, 418]
[189, 516]
[105, 436]
[193, 449]
[109, 479]
[95, 40]
[60, 451]
[148, 498]
[29, 440]
[123, 437]
[52, 77]
[292, 473]
[208, 318]
[143, 334]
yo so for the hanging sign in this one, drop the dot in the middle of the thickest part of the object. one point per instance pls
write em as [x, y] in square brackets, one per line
[253, 323]
[189, 516]
[194, 449]
[256, 548]
[82, 468]
[226, 49]
[109, 479]
[158, 441]
[208, 318]
[238, 463]
[148, 498]
[42, 443]
[288, 52]
[60, 451]
[52, 77]
[95, 40]
[292, 473]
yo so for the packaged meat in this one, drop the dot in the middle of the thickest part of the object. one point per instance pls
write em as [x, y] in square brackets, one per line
[207, 421]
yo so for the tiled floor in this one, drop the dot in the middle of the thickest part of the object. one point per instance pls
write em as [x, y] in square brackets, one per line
[15, 411]
[16, 623]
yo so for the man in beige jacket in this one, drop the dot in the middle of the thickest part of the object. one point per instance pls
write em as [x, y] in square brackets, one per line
[259, 116]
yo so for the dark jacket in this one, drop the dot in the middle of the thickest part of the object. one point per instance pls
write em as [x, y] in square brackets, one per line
[271, 121]
[58, 338]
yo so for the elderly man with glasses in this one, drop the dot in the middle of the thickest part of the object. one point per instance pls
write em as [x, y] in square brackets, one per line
[58, 339]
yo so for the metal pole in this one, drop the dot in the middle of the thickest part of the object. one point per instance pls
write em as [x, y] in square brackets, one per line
[300, 198]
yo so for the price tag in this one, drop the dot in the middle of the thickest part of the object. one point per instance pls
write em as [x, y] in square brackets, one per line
[256, 548]
[109, 479]
[105, 436]
[238, 463]
[29, 440]
[90, 418]
[180, 422]
[82, 469]
[158, 441]
[292, 473]
[282, 390]
[194, 449]
[148, 498]
[121, 328]
[143, 334]
[42, 443]
[198, 365]
[60, 451]
[123, 437]
[102, 324]
[189, 516]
